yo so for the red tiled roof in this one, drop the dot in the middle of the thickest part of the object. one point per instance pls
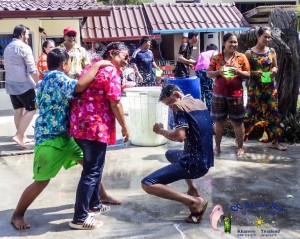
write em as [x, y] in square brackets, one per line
[183, 17]
[126, 22]
[51, 8]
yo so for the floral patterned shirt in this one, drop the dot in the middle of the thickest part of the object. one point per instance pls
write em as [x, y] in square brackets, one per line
[42, 65]
[231, 87]
[79, 60]
[91, 116]
[53, 99]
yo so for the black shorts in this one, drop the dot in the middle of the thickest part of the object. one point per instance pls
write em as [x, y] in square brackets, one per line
[25, 100]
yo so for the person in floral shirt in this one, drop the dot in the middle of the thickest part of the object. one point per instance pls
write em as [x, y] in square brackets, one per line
[53, 149]
[229, 68]
[78, 55]
[47, 46]
[92, 124]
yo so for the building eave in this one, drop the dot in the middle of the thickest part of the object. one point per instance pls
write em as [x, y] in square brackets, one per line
[54, 13]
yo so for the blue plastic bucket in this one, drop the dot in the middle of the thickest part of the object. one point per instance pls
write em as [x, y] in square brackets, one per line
[188, 85]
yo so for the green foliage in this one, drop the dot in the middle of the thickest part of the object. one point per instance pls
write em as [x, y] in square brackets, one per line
[291, 128]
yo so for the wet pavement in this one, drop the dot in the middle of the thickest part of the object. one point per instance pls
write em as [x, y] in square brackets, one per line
[260, 190]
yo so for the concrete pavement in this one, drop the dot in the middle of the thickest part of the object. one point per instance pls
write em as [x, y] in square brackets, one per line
[261, 190]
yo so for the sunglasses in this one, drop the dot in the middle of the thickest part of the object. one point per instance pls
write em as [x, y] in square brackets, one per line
[71, 35]
[126, 56]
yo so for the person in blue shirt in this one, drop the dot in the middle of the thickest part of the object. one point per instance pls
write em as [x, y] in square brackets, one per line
[143, 62]
[193, 126]
[53, 149]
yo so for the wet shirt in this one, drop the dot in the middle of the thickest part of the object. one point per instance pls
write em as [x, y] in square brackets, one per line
[231, 87]
[204, 59]
[19, 64]
[143, 61]
[91, 116]
[181, 69]
[53, 99]
[198, 145]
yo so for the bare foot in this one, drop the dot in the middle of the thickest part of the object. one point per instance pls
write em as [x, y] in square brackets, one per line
[107, 199]
[197, 205]
[217, 151]
[278, 146]
[193, 192]
[19, 222]
[19, 142]
[240, 152]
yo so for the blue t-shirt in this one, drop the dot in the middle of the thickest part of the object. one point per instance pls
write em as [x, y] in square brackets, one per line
[53, 100]
[198, 145]
[143, 60]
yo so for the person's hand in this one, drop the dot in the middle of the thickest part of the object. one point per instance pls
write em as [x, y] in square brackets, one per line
[125, 134]
[158, 127]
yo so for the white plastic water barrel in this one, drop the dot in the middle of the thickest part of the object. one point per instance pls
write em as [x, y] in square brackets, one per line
[144, 111]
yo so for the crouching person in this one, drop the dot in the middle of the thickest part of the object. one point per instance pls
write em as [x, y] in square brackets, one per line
[193, 126]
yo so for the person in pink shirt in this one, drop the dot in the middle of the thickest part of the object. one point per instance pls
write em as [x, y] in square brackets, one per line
[93, 126]
[201, 67]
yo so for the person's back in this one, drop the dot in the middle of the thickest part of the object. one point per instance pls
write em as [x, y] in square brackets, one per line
[199, 140]
[53, 97]
[204, 59]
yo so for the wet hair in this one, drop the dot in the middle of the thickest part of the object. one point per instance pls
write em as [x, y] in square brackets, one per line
[144, 39]
[211, 47]
[118, 46]
[19, 29]
[262, 30]
[45, 44]
[192, 34]
[56, 57]
[168, 90]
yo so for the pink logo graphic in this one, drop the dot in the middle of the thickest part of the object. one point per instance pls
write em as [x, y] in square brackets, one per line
[215, 217]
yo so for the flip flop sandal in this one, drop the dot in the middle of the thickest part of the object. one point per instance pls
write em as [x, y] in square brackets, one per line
[196, 217]
[89, 224]
[101, 210]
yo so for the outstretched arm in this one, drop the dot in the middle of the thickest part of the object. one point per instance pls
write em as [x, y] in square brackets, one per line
[89, 76]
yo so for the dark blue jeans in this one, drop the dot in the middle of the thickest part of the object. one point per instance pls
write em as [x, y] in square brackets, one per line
[87, 195]
[174, 171]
